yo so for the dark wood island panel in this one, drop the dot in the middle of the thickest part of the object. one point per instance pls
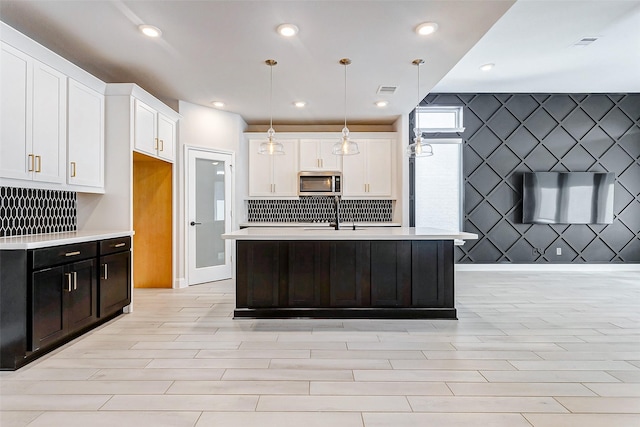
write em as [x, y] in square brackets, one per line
[345, 279]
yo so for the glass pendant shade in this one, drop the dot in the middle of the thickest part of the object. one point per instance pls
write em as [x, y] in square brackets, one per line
[345, 147]
[419, 148]
[271, 147]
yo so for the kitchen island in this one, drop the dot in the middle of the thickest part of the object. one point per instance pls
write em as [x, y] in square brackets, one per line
[370, 272]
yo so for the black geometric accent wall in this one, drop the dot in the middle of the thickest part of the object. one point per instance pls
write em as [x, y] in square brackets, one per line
[508, 134]
[26, 211]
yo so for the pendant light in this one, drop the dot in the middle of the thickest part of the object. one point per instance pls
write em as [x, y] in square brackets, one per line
[418, 148]
[271, 146]
[346, 146]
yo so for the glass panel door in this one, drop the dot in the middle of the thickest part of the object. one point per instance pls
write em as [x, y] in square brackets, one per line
[209, 216]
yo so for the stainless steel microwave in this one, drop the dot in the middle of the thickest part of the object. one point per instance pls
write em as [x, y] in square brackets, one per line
[319, 183]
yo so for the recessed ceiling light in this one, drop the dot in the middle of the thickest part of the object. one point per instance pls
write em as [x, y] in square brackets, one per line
[487, 67]
[427, 28]
[150, 30]
[382, 103]
[287, 30]
[300, 104]
[218, 104]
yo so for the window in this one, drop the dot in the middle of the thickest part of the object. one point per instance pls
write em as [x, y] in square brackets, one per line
[440, 119]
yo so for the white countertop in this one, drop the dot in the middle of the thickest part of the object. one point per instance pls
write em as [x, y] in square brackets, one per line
[318, 224]
[35, 241]
[363, 233]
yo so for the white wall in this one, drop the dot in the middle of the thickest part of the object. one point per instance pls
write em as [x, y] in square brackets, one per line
[401, 126]
[211, 129]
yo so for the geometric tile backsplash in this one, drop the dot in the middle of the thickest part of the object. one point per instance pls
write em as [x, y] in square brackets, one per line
[26, 211]
[508, 134]
[319, 209]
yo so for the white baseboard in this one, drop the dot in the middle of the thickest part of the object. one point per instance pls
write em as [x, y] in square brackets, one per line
[547, 267]
[179, 283]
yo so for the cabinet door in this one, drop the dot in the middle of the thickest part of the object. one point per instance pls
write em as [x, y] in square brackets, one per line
[353, 173]
[391, 273]
[260, 183]
[309, 156]
[82, 301]
[49, 123]
[47, 319]
[350, 274]
[145, 126]
[328, 161]
[379, 167]
[166, 138]
[15, 122]
[85, 136]
[115, 283]
[285, 170]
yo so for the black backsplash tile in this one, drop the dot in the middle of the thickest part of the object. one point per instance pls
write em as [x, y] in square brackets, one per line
[319, 209]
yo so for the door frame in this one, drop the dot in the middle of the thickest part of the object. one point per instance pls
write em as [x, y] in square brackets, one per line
[185, 219]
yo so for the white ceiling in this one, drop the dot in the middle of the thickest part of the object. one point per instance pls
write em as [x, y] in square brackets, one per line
[215, 50]
[532, 46]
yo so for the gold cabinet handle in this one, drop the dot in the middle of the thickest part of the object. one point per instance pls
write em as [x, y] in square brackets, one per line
[73, 169]
[31, 162]
[118, 245]
[161, 145]
[72, 253]
[39, 164]
[155, 146]
[69, 281]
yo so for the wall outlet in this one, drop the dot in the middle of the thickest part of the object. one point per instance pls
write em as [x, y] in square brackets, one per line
[558, 251]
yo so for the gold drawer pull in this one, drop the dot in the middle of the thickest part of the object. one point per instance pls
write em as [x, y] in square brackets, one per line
[31, 162]
[72, 253]
[119, 245]
[73, 169]
[39, 162]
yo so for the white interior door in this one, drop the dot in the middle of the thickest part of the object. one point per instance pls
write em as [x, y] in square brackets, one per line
[209, 200]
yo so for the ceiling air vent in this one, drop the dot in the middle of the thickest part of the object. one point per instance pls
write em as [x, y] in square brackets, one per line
[585, 41]
[386, 90]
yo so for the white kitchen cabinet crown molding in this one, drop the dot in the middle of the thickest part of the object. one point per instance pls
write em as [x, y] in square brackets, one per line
[132, 89]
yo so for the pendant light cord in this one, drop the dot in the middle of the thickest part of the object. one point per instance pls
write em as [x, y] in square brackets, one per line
[271, 96]
[345, 95]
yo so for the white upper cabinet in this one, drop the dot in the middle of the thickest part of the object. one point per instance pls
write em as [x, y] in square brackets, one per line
[155, 133]
[315, 154]
[85, 136]
[273, 176]
[33, 118]
[370, 173]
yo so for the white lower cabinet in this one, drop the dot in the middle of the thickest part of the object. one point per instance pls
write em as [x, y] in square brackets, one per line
[85, 139]
[273, 176]
[33, 129]
[370, 173]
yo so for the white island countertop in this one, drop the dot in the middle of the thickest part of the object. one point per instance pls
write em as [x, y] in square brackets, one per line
[35, 241]
[347, 233]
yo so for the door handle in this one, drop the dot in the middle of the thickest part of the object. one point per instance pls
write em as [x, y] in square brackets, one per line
[106, 271]
[192, 223]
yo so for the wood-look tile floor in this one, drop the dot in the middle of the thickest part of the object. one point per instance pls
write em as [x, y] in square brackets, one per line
[529, 349]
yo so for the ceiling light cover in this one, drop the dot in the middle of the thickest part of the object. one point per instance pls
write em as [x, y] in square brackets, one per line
[426, 28]
[300, 104]
[218, 104]
[487, 67]
[150, 31]
[287, 30]
[271, 147]
[418, 148]
[382, 104]
[346, 146]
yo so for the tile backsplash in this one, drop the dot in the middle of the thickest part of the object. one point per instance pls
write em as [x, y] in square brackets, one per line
[32, 211]
[319, 209]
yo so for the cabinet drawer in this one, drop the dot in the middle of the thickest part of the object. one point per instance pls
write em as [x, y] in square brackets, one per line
[55, 255]
[119, 244]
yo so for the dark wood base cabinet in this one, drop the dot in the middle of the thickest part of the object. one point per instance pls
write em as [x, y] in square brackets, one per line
[345, 279]
[51, 295]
